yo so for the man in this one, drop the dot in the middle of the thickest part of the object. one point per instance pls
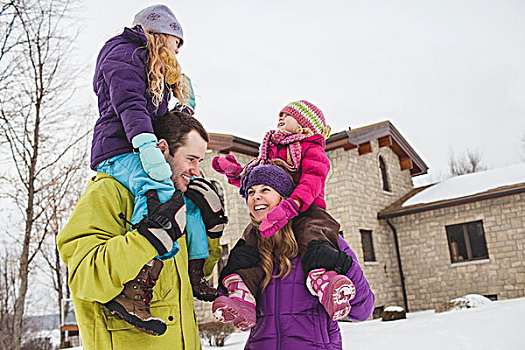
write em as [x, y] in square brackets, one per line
[102, 254]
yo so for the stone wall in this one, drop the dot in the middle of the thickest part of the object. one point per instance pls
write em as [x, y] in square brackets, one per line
[432, 279]
[354, 195]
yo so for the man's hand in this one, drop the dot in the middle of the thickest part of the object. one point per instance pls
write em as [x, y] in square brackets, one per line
[165, 222]
[277, 218]
[206, 198]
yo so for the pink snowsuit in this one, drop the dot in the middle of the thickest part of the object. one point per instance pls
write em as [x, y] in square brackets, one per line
[310, 176]
[312, 172]
[311, 169]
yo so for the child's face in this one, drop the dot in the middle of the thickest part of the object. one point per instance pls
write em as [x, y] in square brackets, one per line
[173, 43]
[288, 123]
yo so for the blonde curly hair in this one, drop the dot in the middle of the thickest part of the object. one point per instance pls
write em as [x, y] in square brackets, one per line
[164, 69]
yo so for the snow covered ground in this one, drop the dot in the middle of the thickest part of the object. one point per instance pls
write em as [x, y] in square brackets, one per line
[499, 325]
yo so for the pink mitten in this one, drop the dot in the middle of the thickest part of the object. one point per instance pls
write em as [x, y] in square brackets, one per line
[228, 166]
[278, 217]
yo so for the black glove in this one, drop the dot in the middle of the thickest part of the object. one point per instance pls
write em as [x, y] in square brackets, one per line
[206, 198]
[323, 255]
[165, 222]
[242, 256]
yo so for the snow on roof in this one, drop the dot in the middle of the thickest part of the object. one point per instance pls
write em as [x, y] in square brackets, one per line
[469, 184]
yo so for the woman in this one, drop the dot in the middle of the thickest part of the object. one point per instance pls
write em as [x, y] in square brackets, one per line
[289, 314]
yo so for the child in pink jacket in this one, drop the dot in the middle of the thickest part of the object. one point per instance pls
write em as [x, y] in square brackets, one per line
[298, 146]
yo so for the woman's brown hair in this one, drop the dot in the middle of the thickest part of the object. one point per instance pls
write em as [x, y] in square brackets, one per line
[283, 246]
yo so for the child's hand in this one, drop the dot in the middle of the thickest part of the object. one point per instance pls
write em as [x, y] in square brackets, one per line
[278, 217]
[151, 157]
[228, 166]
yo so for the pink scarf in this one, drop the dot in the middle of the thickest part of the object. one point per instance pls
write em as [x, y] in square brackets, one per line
[280, 137]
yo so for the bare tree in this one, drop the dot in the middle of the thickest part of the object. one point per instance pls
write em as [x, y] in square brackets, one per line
[7, 295]
[40, 129]
[8, 17]
[469, 162]
[65, 196]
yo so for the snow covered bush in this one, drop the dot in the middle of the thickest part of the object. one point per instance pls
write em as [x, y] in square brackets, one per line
[466, 302]
[38, 344]
[216, 332]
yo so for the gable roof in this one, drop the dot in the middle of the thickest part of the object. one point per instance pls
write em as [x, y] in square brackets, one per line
[387, 136]
[459, 190]
[385, 133]
[224, 143]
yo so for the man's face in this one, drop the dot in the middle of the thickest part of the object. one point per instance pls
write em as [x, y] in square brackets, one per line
[186, 160]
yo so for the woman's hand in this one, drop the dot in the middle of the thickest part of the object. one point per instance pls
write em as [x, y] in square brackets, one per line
[278, 217]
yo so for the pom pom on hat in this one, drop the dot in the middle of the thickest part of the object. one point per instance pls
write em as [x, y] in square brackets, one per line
[308, 116]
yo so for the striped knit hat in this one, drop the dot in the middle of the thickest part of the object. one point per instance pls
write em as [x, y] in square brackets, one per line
[308, 116]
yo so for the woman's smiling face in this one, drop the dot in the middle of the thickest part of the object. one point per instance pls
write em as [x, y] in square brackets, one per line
[262, 199]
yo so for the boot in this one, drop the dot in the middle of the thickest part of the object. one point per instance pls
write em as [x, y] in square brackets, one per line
[334, 291]
[238, 307]
[201, 289]
[133, 303]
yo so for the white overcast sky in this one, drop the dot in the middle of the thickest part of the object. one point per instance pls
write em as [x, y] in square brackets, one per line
[450, 75]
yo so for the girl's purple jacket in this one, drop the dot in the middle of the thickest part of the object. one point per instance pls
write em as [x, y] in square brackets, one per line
[289, 317]
[124, 100]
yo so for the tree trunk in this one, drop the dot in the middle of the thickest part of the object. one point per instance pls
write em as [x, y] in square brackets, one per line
[24, 257]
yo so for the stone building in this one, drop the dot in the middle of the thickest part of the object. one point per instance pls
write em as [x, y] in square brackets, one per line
[464, 235]
[404, 253]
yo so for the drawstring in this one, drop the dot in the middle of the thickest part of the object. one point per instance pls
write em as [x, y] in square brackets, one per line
[123, 217]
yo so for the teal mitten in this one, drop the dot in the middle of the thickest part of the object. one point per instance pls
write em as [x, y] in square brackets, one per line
[189, 107]
[151, 157]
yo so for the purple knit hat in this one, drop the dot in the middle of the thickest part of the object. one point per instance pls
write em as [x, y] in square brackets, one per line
[267, 174]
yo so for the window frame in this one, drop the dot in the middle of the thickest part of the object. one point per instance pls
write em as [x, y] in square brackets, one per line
[454, 253]
[366, 253]
[384, 175]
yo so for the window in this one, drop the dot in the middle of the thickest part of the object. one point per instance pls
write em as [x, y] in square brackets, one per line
[368, 245]
[467, 241]
[384, 176]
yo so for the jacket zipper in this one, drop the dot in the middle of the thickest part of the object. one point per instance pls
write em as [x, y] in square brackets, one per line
[276, 312]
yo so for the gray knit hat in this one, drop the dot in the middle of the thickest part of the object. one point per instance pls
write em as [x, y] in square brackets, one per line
[267, 174]
[159, 19]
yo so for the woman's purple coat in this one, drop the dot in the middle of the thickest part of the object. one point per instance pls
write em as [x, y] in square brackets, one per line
[289, 317]
[124, 100]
